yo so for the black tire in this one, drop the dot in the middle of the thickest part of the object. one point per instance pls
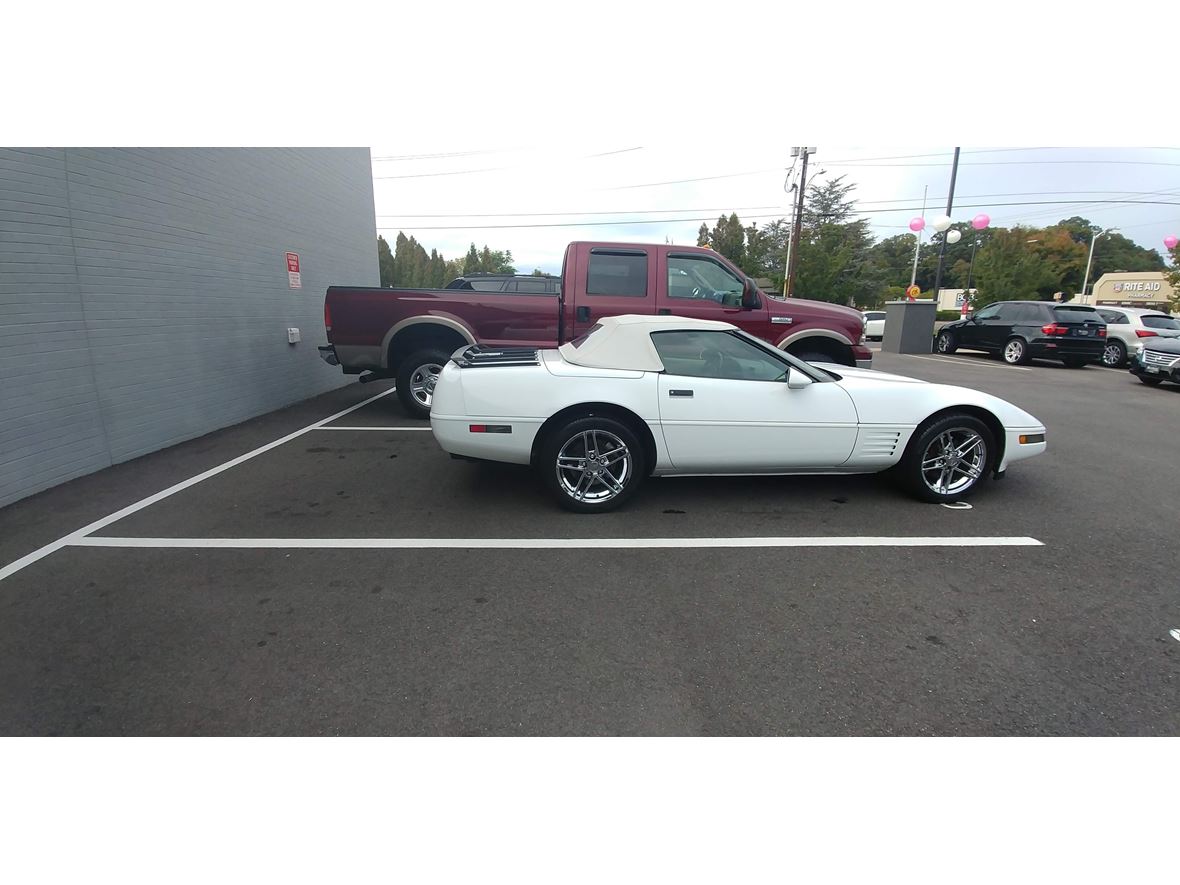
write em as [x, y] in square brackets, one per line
[597, 496]
[980, 463]
[410, 380]
[1015, 352]
[1114, 355]
[945, 343]
[1075, 362]
[812, 356]
[1150, 382]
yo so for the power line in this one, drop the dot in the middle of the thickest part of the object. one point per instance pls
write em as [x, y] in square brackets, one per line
[622, 223]
[729, 209]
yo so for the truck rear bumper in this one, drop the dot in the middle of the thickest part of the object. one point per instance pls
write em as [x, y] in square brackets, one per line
[328, 354]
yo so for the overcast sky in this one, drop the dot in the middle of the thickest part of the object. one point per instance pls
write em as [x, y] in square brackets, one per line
[607, 182]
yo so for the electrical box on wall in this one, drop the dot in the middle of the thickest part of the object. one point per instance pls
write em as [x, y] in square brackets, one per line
[293, 336]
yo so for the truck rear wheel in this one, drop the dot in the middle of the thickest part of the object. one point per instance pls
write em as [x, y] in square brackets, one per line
[416, 377]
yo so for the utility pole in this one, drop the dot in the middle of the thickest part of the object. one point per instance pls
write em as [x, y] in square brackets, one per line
[950, 202]
[794, 244]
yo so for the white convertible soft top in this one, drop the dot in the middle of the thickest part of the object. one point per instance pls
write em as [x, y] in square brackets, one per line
[624, 342]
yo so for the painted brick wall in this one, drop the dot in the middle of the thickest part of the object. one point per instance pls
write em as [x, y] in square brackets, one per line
[144, 296]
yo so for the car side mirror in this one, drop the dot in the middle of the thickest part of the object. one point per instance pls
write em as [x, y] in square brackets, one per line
[796, 380]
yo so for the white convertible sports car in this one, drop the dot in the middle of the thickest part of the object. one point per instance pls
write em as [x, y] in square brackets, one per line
[655, 395]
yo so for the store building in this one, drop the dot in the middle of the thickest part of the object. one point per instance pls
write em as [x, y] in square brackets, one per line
[149, 296]
[1145, 289]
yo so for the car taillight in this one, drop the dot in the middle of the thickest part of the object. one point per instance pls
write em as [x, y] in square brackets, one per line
[1146, 333]
[327, 317]
[1054, 329]
[1102, 332]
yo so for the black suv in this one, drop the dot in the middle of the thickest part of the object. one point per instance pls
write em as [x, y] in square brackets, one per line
[1023, 330]
[506, 282]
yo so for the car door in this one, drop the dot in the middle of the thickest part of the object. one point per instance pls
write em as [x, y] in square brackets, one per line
[703, 288]
[998, 328]
[972, 332]
[725, 407]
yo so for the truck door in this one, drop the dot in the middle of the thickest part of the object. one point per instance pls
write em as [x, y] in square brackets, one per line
[703, 288]
[611, 281]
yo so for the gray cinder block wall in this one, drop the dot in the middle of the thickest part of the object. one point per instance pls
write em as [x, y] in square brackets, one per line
[144, 296]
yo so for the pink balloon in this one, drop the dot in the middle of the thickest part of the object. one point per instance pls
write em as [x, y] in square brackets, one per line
[916, 224]
[1170, 241]
[980, 221]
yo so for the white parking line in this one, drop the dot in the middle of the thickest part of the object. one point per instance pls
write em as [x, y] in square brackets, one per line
[370, 428]
[71, 539]
[543, 543]
[961, 362]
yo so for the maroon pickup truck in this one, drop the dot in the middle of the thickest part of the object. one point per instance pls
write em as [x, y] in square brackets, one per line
[409, 334]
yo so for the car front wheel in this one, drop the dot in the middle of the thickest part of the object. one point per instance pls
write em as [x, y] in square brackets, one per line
[592, 464]
[947, 459]
[1151, 382]
[945, 343]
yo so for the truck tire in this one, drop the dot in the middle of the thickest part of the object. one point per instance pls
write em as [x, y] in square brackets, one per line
[416, 377]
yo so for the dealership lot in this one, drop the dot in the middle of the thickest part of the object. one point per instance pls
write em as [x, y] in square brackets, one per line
[349, 578]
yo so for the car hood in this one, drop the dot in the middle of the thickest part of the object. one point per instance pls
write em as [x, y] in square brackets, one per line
[868, 375]
[1161, 344]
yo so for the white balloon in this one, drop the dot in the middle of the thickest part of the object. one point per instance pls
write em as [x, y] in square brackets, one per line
[941, 223]
[953, 236]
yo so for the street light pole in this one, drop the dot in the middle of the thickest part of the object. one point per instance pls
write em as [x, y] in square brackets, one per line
[950, 202]
[918, 237]
[971, 266]
[1090, 258]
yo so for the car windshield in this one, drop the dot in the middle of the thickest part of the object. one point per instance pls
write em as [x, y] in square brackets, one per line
[1159, 321]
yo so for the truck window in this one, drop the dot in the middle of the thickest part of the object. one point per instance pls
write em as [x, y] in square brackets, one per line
[696, 276]
[617, 272]
[532, 287]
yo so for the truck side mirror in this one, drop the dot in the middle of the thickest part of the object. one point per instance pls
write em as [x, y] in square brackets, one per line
[750, 297]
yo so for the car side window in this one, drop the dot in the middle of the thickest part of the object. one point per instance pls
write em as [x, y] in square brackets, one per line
[696, 276]
[532, 287]
[719, 354]
[487, 285]
[988, 313]
[617, 272]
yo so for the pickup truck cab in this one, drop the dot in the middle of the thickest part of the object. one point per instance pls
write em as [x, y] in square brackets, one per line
[409, 334]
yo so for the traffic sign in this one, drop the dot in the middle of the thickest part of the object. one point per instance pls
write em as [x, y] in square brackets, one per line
[912, 292]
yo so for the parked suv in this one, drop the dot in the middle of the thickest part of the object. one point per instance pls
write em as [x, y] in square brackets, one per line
[1126, 329]
[521, 284]
[1023, 330]
[1158, 361]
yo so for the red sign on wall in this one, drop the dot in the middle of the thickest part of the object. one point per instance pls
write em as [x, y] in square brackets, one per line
[294, 278]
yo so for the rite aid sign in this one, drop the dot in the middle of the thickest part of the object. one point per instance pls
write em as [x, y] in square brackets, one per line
[1132, 289]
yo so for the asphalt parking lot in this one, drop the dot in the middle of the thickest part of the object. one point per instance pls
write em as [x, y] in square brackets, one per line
[335, 583]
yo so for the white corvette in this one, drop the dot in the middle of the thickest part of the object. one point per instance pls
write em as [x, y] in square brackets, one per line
[657, 395]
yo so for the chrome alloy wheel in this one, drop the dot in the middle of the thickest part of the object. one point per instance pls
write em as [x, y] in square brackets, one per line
[422, 381]
[1014, 351]
[954, 461]
[1112, 355]
[944, 342]
[593, 466]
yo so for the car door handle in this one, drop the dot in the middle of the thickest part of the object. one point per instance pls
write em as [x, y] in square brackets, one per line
[680, 393]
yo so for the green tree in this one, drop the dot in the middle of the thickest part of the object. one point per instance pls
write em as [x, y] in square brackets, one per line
[1007, 269]
[471, 262]
[728, 238]
[834, 261]
[385, 263]
[1172, 275]
[703, 235]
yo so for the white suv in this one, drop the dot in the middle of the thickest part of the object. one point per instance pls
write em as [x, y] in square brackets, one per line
[1127, 327]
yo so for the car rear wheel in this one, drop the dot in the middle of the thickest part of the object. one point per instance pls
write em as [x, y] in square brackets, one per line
[945, 343]
[416, 377]
[947, 459]
[592, 465]
[1114, 355]
[1015, 352]
[1151, 382]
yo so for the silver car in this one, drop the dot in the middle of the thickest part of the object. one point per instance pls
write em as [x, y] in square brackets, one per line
[1126, 329]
